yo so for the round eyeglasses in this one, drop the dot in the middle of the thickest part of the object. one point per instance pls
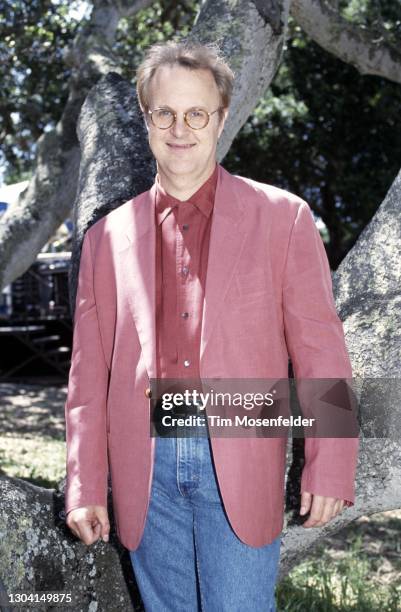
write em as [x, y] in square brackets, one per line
[195, 118]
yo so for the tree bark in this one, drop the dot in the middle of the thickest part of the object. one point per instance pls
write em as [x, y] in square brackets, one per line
[38, 553]
[368, 52]
[116, 162]
[252, 35]
[366, 287]
[368, 299]
[48, 200]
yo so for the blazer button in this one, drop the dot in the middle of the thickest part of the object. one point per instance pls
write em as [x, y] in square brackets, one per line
[148, 393]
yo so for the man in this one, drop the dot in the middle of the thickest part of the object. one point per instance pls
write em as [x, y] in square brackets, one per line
[206, 275]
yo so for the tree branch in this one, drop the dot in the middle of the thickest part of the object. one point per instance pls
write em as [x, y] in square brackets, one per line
[251, 34]
[349, 42]
[48, 199]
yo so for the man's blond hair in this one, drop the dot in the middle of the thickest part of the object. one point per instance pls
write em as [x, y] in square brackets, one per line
[191, 55]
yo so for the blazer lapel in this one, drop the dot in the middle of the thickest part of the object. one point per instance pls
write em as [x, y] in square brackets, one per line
[230, 226]
[138, 260]
[229, 229]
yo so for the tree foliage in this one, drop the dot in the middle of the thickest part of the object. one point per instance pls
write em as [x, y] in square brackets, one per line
[34, 37]
[328, 134]
[322, 130]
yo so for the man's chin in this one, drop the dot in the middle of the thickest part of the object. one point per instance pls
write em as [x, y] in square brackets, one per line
[180, 167]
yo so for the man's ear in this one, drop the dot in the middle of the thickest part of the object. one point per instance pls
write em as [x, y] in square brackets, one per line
[222, 121]
[145, 117]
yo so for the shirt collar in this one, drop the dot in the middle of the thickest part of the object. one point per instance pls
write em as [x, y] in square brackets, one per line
[203, 198]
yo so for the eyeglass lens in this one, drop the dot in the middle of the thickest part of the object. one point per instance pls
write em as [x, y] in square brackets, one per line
[164, 118]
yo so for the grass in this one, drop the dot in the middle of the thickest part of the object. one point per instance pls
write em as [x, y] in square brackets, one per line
[348, 584]
[41, 461]
[356, 570]
[345, 580]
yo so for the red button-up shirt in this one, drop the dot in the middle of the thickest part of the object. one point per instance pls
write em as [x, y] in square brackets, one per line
[182, 248]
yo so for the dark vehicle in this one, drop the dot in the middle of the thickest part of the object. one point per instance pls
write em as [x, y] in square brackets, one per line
[35, 321]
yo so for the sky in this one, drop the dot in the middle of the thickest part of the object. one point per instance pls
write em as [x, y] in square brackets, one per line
[78, 9]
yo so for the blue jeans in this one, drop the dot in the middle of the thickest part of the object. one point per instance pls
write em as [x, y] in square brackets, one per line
[189, 558]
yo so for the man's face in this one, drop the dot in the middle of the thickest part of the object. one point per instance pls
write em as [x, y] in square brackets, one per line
[180, 150]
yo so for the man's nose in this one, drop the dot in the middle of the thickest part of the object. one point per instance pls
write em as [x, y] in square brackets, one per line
[179, 127]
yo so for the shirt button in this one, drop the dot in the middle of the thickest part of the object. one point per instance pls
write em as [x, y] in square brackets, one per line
[185, 226]
[148, 393]
[185, 270]
[187, 363]
[184, 315]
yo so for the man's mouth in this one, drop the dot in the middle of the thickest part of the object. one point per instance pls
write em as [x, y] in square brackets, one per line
[180, 146]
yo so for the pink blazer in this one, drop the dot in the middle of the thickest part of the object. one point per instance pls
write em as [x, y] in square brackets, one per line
[268, 296]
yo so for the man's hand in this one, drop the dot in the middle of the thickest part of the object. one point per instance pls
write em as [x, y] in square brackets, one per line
[89, 523]
[322, 509]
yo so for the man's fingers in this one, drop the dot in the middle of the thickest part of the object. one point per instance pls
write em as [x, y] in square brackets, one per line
[316, 511]
[96, 530]
[323, 510]
[89, 523]
[306, 499]
[104, 524]
[328, 508]
[337, 508]
[87, 532]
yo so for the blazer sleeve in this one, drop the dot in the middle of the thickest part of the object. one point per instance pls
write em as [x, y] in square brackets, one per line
[315, 341]
[85, 407]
